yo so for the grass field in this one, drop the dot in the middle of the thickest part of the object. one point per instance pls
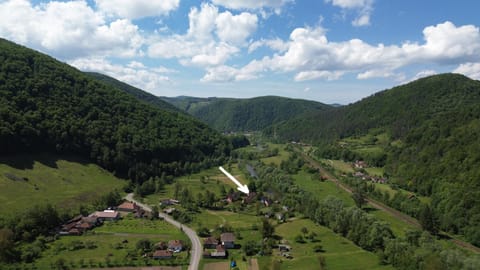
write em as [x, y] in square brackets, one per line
[282, 154]
[212, 179]
[339, 252]
[45, 178]
[113, 241]
[339, 165]
[322, 189]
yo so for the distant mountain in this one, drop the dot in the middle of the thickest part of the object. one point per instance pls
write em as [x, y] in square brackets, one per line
[229, 114]
[433, 126]
[136, 92]
[46, 105]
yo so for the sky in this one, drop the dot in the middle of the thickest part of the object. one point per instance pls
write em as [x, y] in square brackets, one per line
[332, 51]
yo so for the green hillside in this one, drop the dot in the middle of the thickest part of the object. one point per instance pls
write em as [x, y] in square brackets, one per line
[66, 182]
[227, 114]
[429, 132]
[46, 105]
[138, 93]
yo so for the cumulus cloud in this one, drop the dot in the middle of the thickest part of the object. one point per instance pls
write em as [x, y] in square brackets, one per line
[212, 38]
[310, 55]
[67, 29]
[235, 29]
[364, 9]
[138, 8]
[471, 70]
[274, 44]
[276, 5]
[134, 73]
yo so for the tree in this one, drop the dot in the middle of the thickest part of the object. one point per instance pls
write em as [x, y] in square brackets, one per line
[359, 198]
[267, 228]
[428, 220]
[304, 230]
[7, 245]
[144, 245]
[155, 212]
[251, 248]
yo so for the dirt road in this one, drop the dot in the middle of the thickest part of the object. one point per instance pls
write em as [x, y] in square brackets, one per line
[378, 205]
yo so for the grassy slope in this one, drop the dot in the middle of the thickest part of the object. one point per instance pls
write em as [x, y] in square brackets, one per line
[60, 181]
[336, 248]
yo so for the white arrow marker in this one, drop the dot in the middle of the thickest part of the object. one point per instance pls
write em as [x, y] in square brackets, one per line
[243, 188]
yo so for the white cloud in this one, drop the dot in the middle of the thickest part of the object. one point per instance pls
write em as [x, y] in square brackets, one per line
[211, 39]
[318, 74]
[137, 8]
[274, 44]
[364, 8]
[310, 55]
[471, 70]
[67, 29]
[135, 73]
[235, 29]
[276, 5]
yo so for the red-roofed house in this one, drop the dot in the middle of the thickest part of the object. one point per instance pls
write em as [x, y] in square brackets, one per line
[175, 245]
[162, 254]
[129, 207]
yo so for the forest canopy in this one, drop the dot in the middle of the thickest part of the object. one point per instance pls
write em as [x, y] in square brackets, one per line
[46, 105]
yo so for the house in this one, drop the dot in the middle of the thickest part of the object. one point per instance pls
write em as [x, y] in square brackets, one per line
[109, 215]
[78, 225]
[232, 197]
[219, 252]
[210, 242]
[129, 207]
[280, 217]
[168, 202]
[175, 245]
[252, 196]
[228, 240]
[162, 254]
[266, 201]
[169, 210]
[360, 164]
[284, 248]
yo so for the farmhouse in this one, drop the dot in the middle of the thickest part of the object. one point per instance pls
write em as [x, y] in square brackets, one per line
[219, 252]
[109, 215]
[162, 254]
[210, 243]
[228, 240]
[79, 225]
[128, 207]
[175, 245]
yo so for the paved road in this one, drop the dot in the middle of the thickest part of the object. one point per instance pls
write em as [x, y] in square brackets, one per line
[196, 249]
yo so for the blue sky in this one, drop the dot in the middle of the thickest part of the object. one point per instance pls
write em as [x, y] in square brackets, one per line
[333, 51]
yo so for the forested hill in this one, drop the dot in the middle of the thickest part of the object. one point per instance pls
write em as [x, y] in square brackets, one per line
[228, 114]
[138, 93]
[433, 126]
[46, 105]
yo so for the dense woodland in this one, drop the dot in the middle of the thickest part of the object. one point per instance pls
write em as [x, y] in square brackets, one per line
[138, 93]
[433, 125]
[46, 105]
[228, 114]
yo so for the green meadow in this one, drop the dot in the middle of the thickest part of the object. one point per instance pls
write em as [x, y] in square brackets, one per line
[45, 178]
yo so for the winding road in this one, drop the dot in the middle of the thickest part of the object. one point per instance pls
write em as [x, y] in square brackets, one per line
[196, 249]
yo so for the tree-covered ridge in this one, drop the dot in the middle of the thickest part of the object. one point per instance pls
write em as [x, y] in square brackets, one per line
[46, 105]
[138, 93]
[227, 114]
[433, 125]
